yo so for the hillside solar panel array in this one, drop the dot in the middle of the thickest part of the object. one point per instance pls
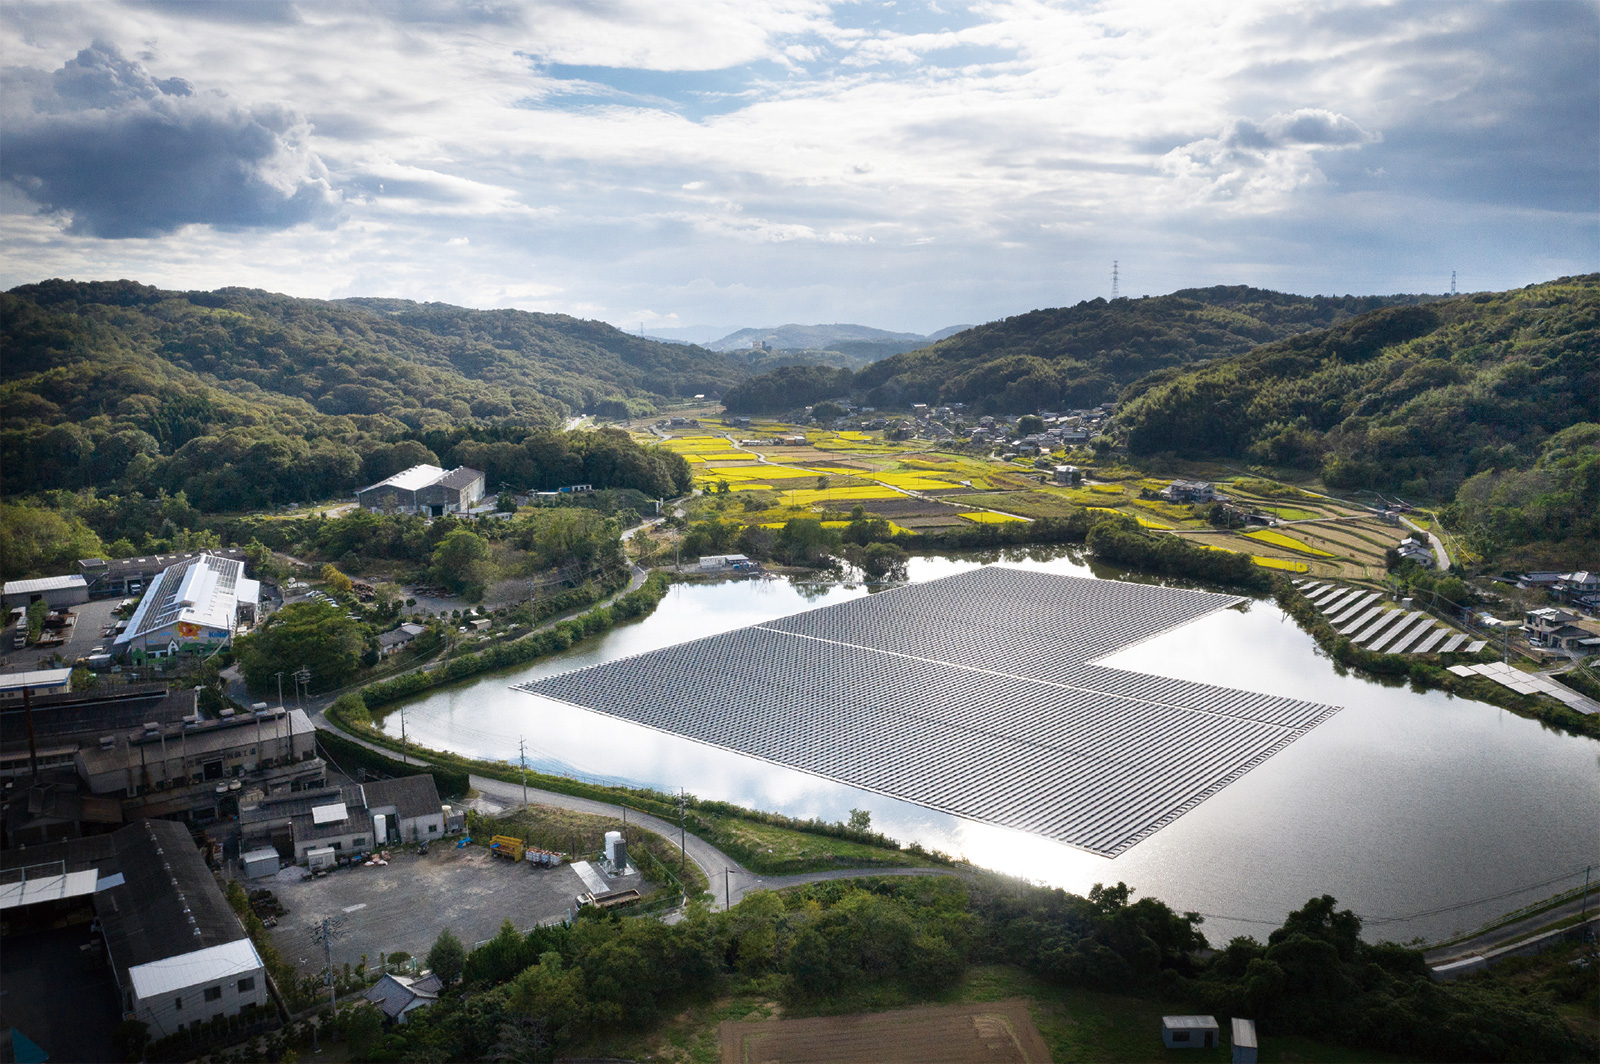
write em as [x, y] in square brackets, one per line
[977, 695]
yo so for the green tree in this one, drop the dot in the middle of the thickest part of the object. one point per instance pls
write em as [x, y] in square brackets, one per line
[337, 581]
[362, 1027]
[461, 563]
[316, 635]
[447, 956]
[1028, 424]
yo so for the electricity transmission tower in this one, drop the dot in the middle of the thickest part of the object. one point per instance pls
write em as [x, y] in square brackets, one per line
[1452, 282]
[1113, 278]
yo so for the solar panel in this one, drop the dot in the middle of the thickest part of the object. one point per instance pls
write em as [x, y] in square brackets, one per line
[977, 695]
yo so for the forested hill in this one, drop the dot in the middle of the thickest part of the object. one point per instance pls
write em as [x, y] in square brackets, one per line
[245, 399]
[1490, 399]
[1079, 356]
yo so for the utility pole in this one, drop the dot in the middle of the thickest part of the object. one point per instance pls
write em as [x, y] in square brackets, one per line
[324, 934]
[1586, 872]
[33, 750]
[403, 760]
[683, 839]
[280, 690]
[727, 893]
[522, 759]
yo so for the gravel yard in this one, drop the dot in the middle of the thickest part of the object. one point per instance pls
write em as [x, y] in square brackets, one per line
[405, 905]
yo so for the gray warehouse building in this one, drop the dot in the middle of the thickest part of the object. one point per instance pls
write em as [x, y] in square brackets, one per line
[56, 591]
[425, 489]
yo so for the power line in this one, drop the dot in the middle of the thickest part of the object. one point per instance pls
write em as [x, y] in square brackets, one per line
[1377, 920]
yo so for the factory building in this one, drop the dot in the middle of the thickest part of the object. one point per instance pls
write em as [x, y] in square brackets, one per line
[191, 607]
[202, 753]
[425, 489]
[323, 825]
[56, 592]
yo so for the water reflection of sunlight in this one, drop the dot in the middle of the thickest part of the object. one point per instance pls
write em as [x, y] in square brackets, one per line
[1399, 803]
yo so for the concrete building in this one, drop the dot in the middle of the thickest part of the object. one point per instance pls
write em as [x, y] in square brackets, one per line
[425, 489]
[57, 592]
[1189, 1032]
[717, 562]
[35, 682]
[1415, 550]
[355, 818]
[199, 754]
[131, 576]
[192, 607]
[176, 951]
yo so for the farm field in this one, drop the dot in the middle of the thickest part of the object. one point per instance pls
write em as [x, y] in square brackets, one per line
[921, 489]
[1000, 1032]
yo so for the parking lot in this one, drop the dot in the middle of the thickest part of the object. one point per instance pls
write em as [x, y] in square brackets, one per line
[405, 905]
[93, 618]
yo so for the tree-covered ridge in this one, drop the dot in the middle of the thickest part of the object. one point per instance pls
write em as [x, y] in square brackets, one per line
[1078, 356]
[1409, 399]
[245, 399]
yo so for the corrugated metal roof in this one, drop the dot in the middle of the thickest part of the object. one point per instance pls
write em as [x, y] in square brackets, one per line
[35, 678]
[201, 591]
[330, 814]
[459, 477]
[43, 583]
[210, 965]
[418, 476]
[47, 888]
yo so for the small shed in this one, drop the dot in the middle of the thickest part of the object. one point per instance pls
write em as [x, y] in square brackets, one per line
[1189, 1032]
[1244, 1041]
[262, 862]
[320, 857]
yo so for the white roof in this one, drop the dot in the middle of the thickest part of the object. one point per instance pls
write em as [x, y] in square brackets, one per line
[43, 583]
[418, 476]
[329, 814]
[201, 591]
[48, 888]
[191, 969]
[248, 591]
[1179, 1023]
[260, 854]
[34, 678]
[1244, 1033]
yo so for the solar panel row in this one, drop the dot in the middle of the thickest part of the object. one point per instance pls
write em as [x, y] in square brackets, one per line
[974, 695]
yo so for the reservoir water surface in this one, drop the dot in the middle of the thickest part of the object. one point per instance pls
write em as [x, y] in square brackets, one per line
[1426, 814]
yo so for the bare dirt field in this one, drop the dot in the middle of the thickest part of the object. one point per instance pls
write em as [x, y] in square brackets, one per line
[999, 1032]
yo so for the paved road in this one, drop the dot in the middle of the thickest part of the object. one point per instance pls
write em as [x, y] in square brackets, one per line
[1521, 929]
[729, 880]
[1440, 555]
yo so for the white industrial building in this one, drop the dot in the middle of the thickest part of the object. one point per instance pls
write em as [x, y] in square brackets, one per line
[425, 489]
[191, 607]
[55, 591]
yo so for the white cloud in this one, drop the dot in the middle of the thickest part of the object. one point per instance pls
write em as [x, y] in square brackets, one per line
[895, 162]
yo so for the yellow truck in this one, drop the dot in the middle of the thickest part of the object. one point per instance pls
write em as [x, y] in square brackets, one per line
[506, 846]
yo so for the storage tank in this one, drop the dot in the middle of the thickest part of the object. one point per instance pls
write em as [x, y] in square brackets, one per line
[616, 850]
[380, 830]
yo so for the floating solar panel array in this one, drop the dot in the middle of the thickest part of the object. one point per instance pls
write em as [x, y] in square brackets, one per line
[976, 695]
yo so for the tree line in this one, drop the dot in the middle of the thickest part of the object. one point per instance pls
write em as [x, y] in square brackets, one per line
[586, 987]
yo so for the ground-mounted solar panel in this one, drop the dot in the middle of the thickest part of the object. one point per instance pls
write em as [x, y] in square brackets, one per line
[977, 695]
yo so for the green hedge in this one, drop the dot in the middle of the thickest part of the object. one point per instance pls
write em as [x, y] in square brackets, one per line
[348, 755]
[552, 640]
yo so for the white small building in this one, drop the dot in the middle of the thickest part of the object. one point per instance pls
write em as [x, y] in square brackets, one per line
[1189, 1032]
[714, 562]
[35, 682]
[1244, 1041]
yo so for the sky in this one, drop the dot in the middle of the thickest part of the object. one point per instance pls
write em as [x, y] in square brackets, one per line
[705, 166]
